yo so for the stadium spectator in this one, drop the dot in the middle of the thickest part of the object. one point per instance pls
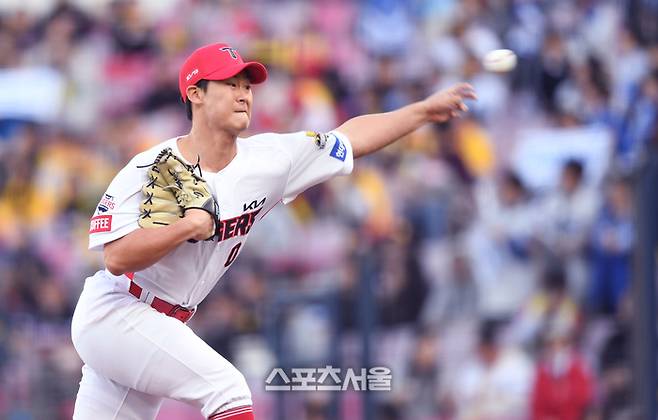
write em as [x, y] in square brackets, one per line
[563, 387]
[612, 244]
[495, 384]
[569, 213]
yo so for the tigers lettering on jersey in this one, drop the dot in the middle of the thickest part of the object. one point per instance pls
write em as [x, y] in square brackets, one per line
[236, 226]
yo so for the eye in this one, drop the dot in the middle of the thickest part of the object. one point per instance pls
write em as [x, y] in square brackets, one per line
[232, 84]
[248, 87]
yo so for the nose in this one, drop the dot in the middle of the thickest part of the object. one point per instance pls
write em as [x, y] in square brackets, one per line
[242, 95]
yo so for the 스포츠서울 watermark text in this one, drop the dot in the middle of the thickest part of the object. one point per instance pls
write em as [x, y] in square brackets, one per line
[329, 378]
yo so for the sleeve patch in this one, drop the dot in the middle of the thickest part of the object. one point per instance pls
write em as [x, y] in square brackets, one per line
[319, 138]
[107, 203]
[102, 223]
[339, 151]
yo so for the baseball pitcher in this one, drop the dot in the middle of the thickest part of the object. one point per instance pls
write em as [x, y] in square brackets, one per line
[176, 217]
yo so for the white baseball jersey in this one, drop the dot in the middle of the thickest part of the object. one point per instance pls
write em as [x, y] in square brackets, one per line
[267, 169]
[134, 355]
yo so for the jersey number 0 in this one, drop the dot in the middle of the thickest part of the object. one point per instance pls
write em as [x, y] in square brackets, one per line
[232, 255]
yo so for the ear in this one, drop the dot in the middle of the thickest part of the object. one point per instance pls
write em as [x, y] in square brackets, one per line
[194, 94]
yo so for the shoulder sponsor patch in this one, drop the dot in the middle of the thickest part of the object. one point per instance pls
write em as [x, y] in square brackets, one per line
[102, 223]
[107, 203]
[319, 138]
[339, 151]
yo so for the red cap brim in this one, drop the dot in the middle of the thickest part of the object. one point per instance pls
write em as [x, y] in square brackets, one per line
[256, 72]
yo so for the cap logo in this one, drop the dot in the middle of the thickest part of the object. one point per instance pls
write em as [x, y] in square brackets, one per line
[230, 51]
[191, 74]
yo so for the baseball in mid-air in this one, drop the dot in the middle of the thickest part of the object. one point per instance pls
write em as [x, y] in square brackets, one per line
[499, 61]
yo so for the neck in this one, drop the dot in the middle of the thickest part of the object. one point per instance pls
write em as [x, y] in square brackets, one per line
[216, 149]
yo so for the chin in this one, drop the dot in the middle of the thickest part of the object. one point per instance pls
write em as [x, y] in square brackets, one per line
[243, 123]
[235, 125]
[243, 126]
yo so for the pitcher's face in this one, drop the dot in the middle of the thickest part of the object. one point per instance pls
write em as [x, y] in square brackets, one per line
[226, 104]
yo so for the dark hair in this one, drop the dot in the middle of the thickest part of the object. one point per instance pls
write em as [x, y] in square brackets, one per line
[554, 278]
[488, 331]
[514, 180]
[201, 84]
[575, 166]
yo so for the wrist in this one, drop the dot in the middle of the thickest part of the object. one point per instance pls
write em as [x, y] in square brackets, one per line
[201, 224]
[422, 109]
[188, 228]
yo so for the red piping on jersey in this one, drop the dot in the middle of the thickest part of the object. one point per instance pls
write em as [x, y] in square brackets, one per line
[239, 413]
[270, 209]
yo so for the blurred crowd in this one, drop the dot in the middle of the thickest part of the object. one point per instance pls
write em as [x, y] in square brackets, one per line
[493, 297]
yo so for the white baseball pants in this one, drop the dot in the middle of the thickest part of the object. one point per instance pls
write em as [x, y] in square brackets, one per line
[135, 356]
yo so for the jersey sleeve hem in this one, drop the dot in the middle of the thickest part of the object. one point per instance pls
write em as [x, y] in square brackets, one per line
[345, 169]
[349, 161]
[97, 243]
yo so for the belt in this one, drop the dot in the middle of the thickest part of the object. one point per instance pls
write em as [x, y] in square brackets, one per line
[175, 311]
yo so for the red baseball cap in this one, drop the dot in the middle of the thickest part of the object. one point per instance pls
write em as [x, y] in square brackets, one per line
[216, 62]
